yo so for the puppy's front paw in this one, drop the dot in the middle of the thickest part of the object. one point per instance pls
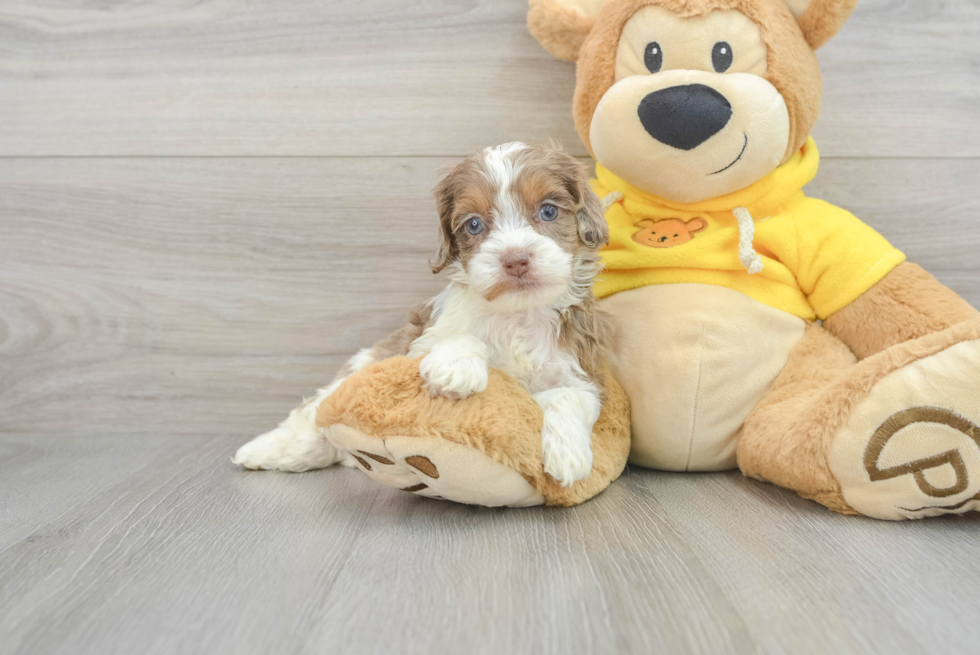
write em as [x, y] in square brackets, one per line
[455, 369]
[566, 453]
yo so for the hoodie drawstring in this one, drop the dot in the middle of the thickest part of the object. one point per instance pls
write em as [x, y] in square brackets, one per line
[746, 234]
[610, 199]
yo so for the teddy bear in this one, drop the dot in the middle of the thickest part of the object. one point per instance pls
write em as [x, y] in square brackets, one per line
[770, 331]
[667, 233]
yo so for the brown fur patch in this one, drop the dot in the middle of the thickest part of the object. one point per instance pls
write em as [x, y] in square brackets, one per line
[560, 29]
[400, 341]
[824, 18]
[397, 343]
[553, 177]
[466, 189]
[496, 291]
[584, 332]
[906, 304]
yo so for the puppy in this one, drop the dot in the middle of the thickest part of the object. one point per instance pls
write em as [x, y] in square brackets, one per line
[520, 232]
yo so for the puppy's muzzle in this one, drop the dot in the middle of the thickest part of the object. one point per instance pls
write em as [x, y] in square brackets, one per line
[684, 117]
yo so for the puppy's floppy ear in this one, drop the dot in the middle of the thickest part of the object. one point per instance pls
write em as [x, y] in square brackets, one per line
[821, 19]
[562, 25]
[445, 193]
[592, 228]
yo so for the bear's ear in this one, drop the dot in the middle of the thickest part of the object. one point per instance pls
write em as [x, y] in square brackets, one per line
[821, 19]
[646, 222]
[562, 25]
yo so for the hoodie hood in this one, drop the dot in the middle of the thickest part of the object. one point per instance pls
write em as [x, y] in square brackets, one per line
[768, 241]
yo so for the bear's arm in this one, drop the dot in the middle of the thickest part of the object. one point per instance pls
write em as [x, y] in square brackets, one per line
[905, 304]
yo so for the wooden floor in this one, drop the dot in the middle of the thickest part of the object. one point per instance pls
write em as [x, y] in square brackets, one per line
[205, 205]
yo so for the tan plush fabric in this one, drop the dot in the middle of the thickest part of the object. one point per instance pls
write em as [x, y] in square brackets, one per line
[824, 18]
[695, 359]
[435, 467]
[561, 27]
[911, 449]
[387, 399]
[787, 438]
[908, 303]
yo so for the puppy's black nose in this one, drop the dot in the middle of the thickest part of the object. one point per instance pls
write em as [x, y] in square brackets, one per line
[516, 263]
[684, 117]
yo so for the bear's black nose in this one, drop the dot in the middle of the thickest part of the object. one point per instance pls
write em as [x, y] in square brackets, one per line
[684, 117]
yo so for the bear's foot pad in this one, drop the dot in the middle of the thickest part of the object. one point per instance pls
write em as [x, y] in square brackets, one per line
[436, 468]
[912, 449]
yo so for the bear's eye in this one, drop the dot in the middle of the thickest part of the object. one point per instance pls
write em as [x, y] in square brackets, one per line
[676, 235]
[721, 56]
[653, 57]
[474, 226]
[548, 213]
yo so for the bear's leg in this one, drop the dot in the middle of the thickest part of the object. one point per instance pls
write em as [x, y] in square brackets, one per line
[781, 439]
[893, 436]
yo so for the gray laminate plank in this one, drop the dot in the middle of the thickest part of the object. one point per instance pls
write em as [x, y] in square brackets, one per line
[804, 578]
[381, 77]
[45, 477]
[190, 555]
[600, 578]
[194, 555]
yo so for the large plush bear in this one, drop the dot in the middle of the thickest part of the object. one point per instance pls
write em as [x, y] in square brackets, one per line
[753, 326]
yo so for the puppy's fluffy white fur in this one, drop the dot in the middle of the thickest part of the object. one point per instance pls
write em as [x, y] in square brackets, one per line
[540, 326]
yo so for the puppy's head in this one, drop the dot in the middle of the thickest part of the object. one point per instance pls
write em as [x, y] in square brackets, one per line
[520, 226]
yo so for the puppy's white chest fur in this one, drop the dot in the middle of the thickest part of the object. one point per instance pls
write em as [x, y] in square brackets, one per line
[523, 344]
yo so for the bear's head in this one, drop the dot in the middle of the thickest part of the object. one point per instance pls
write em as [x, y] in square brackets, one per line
[691, 99]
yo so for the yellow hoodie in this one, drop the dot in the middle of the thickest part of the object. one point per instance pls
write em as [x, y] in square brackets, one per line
[813, 258]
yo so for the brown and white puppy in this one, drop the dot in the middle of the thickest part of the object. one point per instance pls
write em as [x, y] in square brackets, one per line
[520, 232]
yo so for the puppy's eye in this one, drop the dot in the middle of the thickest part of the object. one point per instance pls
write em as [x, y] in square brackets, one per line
[474, 226]
[653, 57]
[548, 213]
[721, 56]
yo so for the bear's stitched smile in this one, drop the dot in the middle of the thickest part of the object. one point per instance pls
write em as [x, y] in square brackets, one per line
[744, 146]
